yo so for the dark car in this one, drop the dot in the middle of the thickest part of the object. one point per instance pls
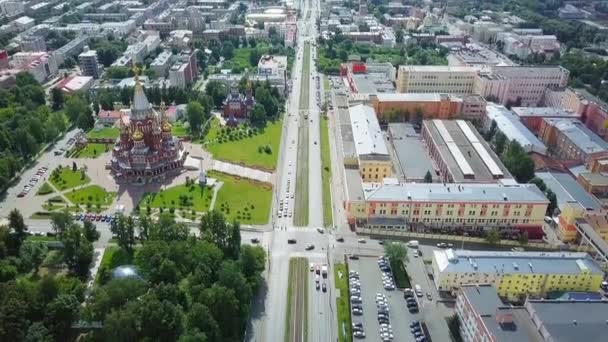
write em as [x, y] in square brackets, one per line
[255, 240]
[291, 241]
[340, 239]
[324, 287]
[353, 257]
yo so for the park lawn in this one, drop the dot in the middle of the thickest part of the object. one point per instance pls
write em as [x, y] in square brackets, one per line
[68, 179]
[240, 59]
[179, 130]
[196, 197]
[92, 151]
[45, 189]
[326, 174]
[113, 256]
[246, 150]
[342, 302]
[106, 132]
[92, 194]
[241, 199]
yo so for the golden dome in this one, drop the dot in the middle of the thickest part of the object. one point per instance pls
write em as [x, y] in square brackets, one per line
[166, 127]
[138, 135]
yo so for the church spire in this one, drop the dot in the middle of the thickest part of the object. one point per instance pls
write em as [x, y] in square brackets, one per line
[140, 107]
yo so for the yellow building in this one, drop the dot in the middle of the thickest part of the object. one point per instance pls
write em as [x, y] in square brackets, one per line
[373, 160]
[573, 212]
[514, 274]
[390, 205]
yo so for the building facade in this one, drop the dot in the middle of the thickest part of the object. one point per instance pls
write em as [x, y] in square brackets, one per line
[146, 152]
[238, 106]
[89, 64]
[515, 274]
[436, 79]
[569, 139]
[373, 159]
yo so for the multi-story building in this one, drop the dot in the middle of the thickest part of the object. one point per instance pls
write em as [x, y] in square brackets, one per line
[527, 84]
[460, 153]
[32, 43]
[185, 72]
[429, 105]
[40, 64]
[532, 117]
[492, 86]
[449, 207]
[272, 65]
[23, 23]
[373, 158]
[4, 64]
[162, 63]
[89, 64]
[508, 123]
[484, 317]
[515, 274]
[592, 110]
[137, 52]
[436, 79]
[569, 139]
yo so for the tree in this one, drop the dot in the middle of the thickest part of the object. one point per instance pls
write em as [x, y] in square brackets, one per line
[57, 98]
[493, 236]
[60, 221]
[491, 131]
[17, 225]
[399, 36]
[235, 240]
[500, 141]
[518, 162]
[258, 115]
[252, 262]
[32, 255]
[77, 250]
[552, 202]
[196, 115]
[153, 311]
[214, 228]
[60, 315]
[74, 167]
[396, 252]
[428, 177]
[523, 238]
[90, 231]
[75, 107]
[37, 332]
[539, 183]
[124, 229]
[227, 50]
[85, 120]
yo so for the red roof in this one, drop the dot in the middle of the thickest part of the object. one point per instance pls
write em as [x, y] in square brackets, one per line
[109, 114]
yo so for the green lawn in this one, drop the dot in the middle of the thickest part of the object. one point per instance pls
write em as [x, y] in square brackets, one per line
[180, 197]
[402, 280]
[92, 194]
[45, 189]
[64, 178]
[92, 151]
[244, 149]
[242, 199]
[113, 256]
[342, 303]
[106, 132]
[179, 130]
[326, 173]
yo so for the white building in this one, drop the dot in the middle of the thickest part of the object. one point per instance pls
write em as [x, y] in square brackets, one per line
[23, 23]
[457, 80]
[508, 123]
[528, 83]
[162, 63]
[10, 8]
[41, 65]
[137, 52]
[272, 65]
[177, 75]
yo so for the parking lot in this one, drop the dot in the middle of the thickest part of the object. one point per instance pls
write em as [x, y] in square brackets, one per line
[371, 282]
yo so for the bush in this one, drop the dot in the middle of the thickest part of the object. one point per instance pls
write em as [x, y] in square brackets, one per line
[267, 149]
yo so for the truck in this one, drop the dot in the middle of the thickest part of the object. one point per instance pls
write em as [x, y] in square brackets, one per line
[324, 271]
[413, 244]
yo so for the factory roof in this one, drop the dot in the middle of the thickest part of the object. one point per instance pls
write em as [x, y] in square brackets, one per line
[412, 157]
[367, 135]
[568, 321]
[451, 192]
[509, 124]
[543, 112]
[567, 189]
[464, 261]
[579, 135]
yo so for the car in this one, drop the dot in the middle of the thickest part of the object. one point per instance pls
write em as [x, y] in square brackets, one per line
[418, 334]
[421, 339]
[355, 299]
[357, 312]
[321, 230]
[361, 240]
[442, 245]
[340, 239]
[357, 324]
[386, 335]
[255, 240]
[312, 267]
[414, 324]
[411, 305]
[359, 334]
[415, 329]
[429, 296]
[291, 241]
[389, 287]
[381, 242]
[413, 309]
[324, 287]
[353, 257]
[315, 140]
[317, 285]
[310, 247]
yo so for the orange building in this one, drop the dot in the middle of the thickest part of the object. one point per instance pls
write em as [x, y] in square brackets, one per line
[430, 105]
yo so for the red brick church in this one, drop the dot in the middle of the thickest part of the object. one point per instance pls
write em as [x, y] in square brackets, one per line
[238, 106]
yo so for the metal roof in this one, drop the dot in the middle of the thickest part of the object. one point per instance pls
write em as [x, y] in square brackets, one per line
[454, 150]
[503, 262]
[366, 131]
[579, 135]
[509, 124]
[567, 189]
[483, 153]
[454, 192]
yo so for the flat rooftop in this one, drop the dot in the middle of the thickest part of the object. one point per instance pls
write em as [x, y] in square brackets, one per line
[579, 135]
[485, 301]
[466, 154]
[414, 97]
[367, 135]
[567, 189]
[464, 261]
[509, 124]
[436, 68]
[412, 156]
[542, 112]
[568, 321]
[354, 186]
[373, 83]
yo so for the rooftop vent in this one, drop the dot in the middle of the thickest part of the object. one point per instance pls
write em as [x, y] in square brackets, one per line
[574, 322]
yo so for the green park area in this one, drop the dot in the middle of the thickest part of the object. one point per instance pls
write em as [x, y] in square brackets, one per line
[342, 303]
[91, 151]
[92, 195]
[192, 197]
[244, 145]
[241, 199]
[179, 129]
[105, 132]
[45, 189]
[66, 178]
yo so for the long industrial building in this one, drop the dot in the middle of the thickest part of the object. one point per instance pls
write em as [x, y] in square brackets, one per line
[461, 155]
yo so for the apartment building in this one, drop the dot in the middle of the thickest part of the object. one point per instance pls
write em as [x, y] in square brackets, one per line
[515, 274]
[460, 153]
[162, 63]
[40, 64]
[389, 205]
[528, 83]
[484, 317]
[372, 154]
[89, 64]
[457, 80]
[32, 43]
[569, 139]
[591, 109]
[10, 8]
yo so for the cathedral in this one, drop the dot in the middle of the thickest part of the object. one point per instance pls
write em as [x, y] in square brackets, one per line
[236, 106]
[145, 151]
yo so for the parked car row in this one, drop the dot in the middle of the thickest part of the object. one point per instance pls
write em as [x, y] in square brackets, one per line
[387, 274]
[29, 186]
[416, 330]
[410, 300]
[94, 217]
[356, 303]
[386, 330]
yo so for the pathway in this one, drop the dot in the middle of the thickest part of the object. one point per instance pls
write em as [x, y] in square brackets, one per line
[242, 171]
